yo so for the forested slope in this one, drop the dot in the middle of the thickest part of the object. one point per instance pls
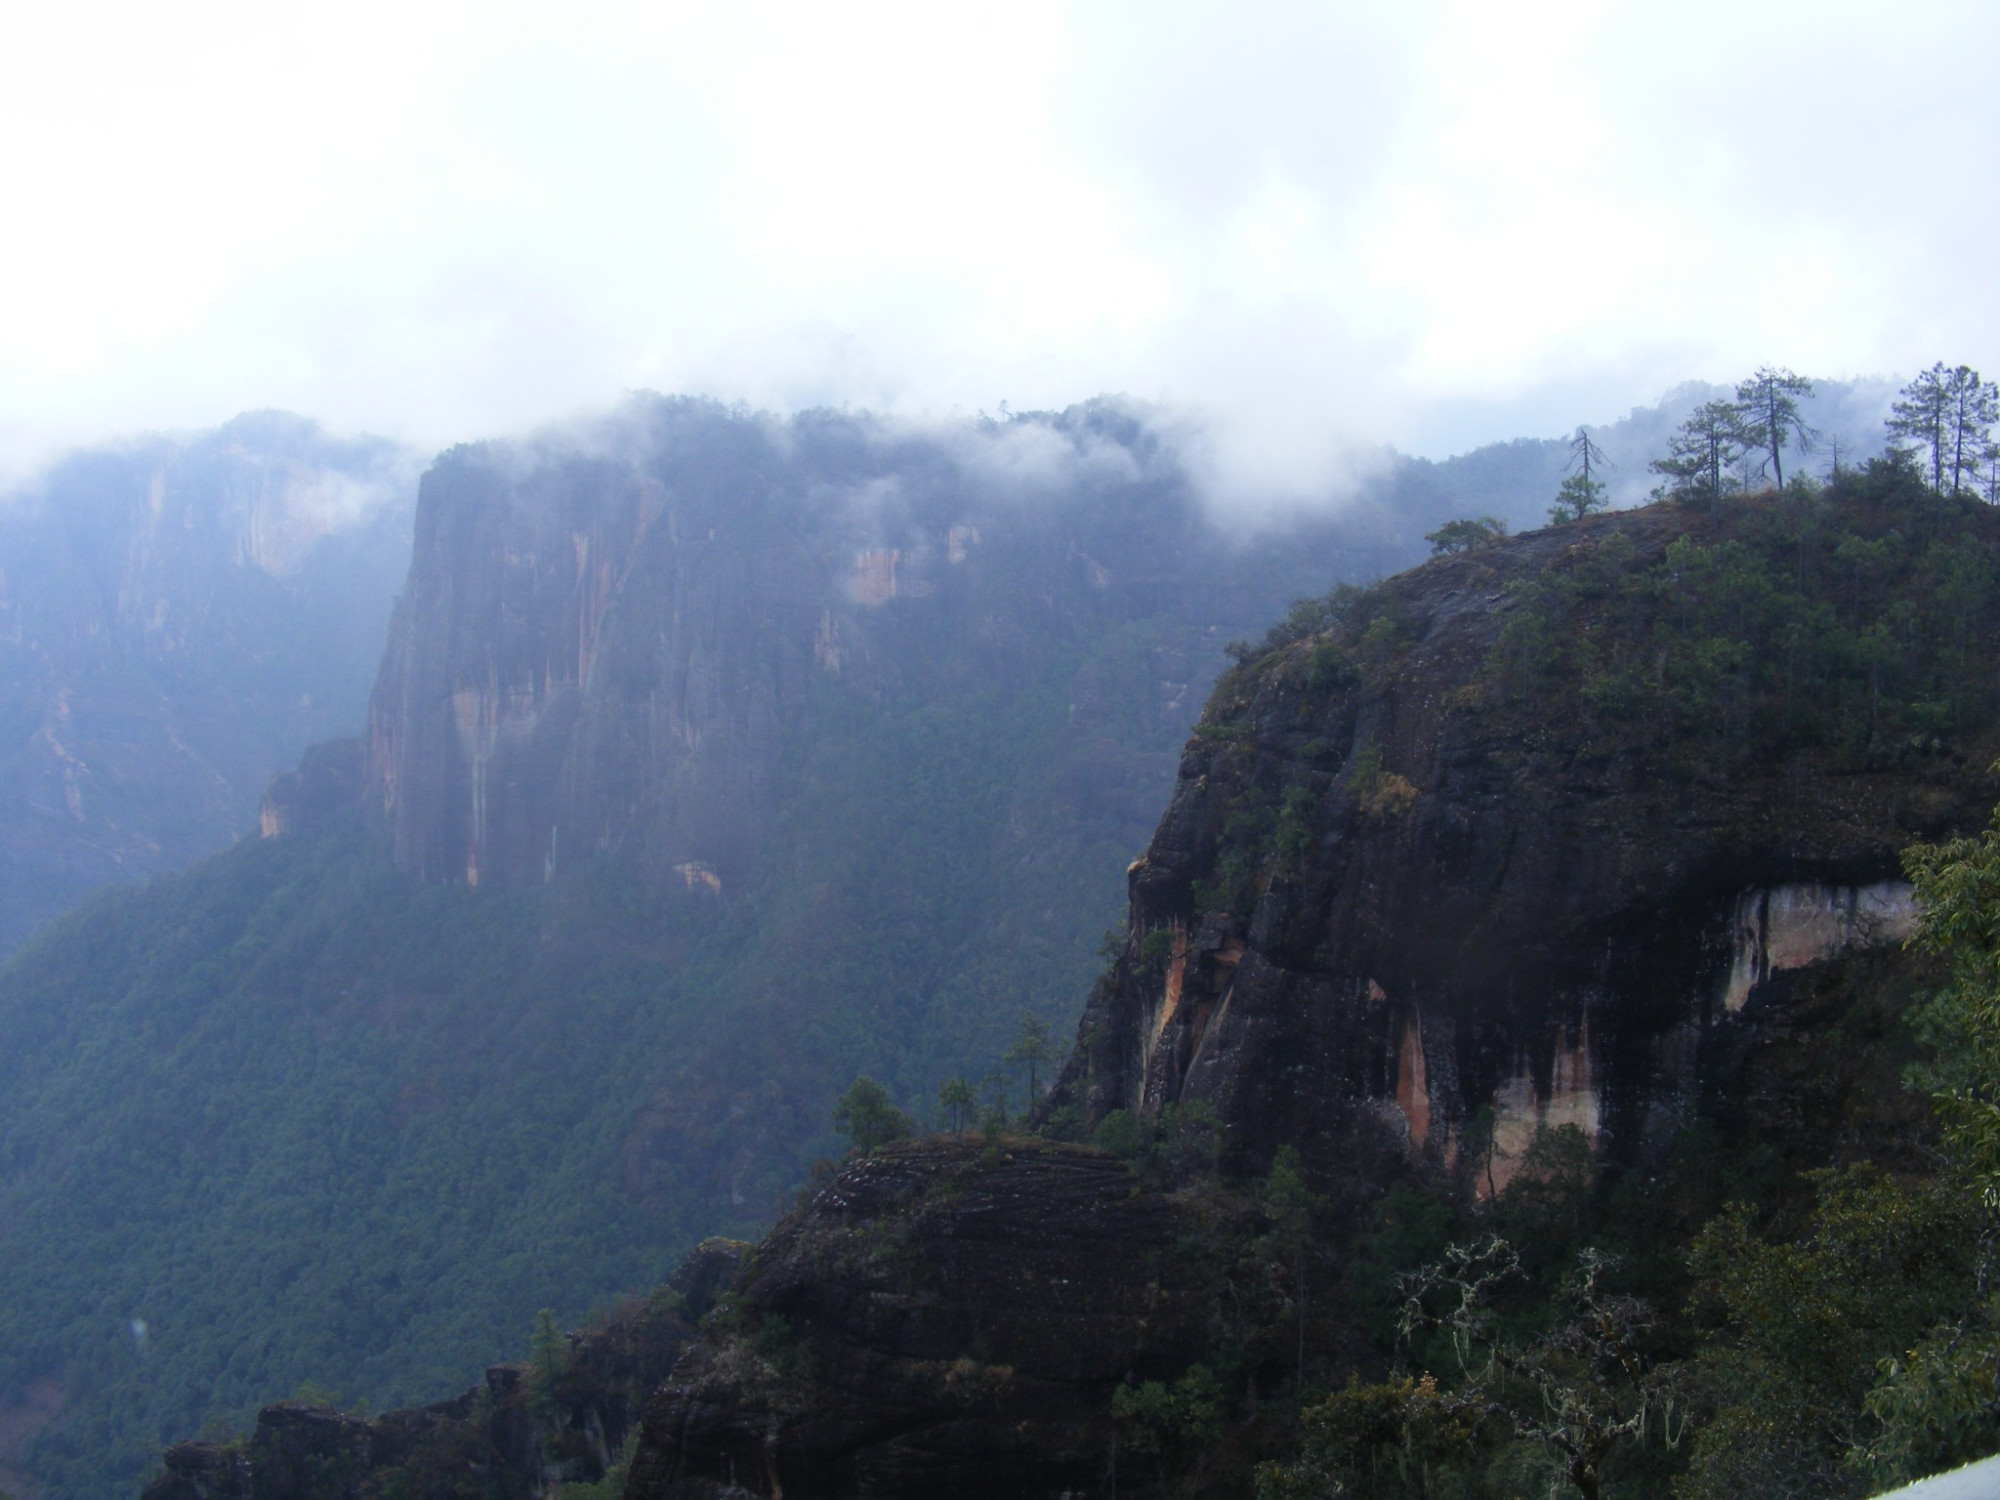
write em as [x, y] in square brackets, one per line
[312, 1116]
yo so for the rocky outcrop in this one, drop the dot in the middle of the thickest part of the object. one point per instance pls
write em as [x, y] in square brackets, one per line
[506, 1439]
[1394, 906]
[623, 641]
[948, 1317]
[325, 787]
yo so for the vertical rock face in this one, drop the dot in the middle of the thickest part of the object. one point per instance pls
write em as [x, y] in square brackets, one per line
[588, 658]
[1377, 921]
[179, 618]
[620, 642]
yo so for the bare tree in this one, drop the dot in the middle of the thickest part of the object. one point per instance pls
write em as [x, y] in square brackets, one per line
[1581, 1389]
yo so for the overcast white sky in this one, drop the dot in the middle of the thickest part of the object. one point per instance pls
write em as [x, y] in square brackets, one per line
[1328, 224]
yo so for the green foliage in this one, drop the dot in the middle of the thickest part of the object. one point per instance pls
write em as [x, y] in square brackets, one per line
[1937, 1405]
[1944, 418]
[1033, 1048]
[1701, 456]
[612, 1485]
[1179, 1144]
[1864, 623]
[1578, 496]
[1958, 895]
[1399, 1439]
[867, 1116]
[1467, 534]
[1169, 1420]
[1803, 1319]
[1156, 948]
[548, 1359]
[956, 1103]
[1768, 409]
[1382, 795]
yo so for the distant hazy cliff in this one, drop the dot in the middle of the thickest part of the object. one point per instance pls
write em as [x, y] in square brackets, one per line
[619, 646]
[179, 617]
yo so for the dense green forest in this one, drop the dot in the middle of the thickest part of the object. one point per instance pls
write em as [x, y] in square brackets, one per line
[289, 1118]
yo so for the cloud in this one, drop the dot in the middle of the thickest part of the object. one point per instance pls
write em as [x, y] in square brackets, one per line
[1318, 227]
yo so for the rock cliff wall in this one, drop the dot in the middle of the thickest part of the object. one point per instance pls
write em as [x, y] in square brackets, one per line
[179, 619]
[627, 641]
[1393, 909]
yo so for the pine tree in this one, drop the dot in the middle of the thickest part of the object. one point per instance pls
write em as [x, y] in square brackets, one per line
[956, 1102]
[1465, 534]
[1582, 493]
[868, 1117]
[1700, 453]
[548, 1355]
[1768, 403]
[1947, 415]
[1034, 1049]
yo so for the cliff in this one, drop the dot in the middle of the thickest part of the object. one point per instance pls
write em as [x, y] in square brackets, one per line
[779, 750]
[1517, 839]
[179, 619]
[631, 642]
[1559, 879]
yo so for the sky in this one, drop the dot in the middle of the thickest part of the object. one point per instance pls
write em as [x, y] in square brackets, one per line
[1312, 228]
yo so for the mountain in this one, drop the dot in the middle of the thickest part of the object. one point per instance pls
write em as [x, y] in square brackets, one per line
[1550, 891]
[179, 618]
[1521, 831]
[713, 759]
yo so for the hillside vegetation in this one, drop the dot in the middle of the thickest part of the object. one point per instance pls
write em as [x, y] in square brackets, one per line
[293, 1117]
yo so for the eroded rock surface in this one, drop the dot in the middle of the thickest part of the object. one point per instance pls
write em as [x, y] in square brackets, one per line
[946, 1318]
[1381, 912]
[623, 642]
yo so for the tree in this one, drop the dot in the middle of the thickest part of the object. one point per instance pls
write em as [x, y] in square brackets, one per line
[1291, 1205]
[1034, 1049]
[1576, 498]
[1584, 1388]
[1581, 492]
[867, 1117]
[548, 1357]
[956, 1102]
[1465, 534]
[1958, 895]
[1769, 406]
[1701, 451]
[1946, 415]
